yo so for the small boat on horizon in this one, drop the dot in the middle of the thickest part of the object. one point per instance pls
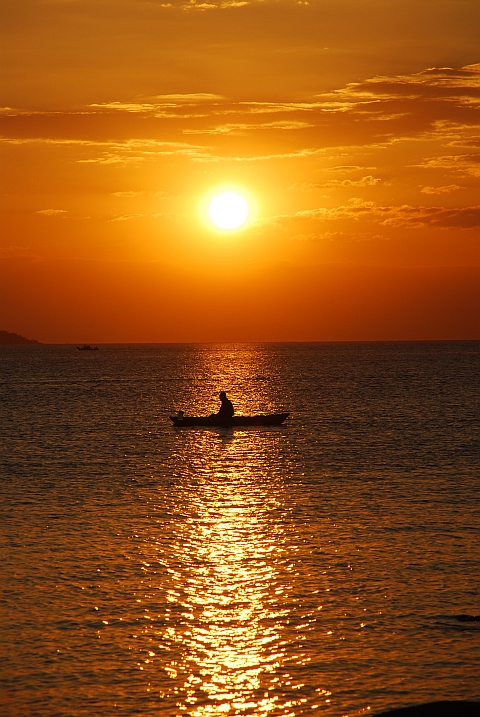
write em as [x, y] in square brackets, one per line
[272, 419]
[87, 347]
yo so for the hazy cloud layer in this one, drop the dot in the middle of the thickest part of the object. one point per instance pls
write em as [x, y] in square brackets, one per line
[71, 54]
[370, 160]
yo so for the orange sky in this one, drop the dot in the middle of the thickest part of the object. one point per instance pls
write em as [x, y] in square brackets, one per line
[353, 123]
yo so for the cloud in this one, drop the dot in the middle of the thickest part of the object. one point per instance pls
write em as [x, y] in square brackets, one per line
[273, 107]
[396, 216]
[347, 168]
[463, 165]
[191, 97]
[340, 236]
[49, 140]
[445, 83]
[51, 212]
[128, 194]
[128, 217]
[244, 128]
[131, 194]
[447, 189]
[195, 5]
[467, 142]
[134, 151]
[408, 216]
[440, 104]
[417, 131]
[459, 217]
[305, 237]
[161, 106]
[112, 158]
[368, 181]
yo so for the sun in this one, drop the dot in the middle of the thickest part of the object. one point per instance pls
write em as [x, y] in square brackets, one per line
[228, 210]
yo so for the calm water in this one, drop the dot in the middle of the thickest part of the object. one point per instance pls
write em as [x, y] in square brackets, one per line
[147, 570]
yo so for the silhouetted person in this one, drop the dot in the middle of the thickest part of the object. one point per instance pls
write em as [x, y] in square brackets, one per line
[226, 409]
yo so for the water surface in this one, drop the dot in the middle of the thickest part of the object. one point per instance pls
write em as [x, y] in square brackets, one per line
[147, 570]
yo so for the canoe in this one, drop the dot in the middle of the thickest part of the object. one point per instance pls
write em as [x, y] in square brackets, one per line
[273, 419]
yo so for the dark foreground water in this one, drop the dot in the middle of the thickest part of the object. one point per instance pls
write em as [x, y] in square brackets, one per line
[328, 566]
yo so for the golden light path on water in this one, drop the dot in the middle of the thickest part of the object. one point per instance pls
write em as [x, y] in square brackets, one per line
[233, 633]
[329, 565]
[230, 573]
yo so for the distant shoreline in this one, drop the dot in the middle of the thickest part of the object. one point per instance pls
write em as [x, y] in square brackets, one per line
[10, 339]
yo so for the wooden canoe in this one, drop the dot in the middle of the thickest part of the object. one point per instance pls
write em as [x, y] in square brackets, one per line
[273, 419]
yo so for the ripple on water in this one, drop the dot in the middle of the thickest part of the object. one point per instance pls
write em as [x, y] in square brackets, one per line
[329, 565]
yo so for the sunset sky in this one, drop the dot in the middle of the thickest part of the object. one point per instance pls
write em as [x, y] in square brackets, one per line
[352, 126]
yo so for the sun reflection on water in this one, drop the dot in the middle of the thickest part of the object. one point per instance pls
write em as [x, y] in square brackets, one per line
[230, 568]
[327, 565]
[243, 370]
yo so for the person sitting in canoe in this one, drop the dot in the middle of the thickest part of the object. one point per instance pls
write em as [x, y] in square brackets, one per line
[226, 409]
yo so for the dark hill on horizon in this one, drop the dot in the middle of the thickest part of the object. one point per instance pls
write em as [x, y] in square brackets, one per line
[15, 339]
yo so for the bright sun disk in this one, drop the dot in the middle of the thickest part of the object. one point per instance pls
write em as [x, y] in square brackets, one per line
[228, 210]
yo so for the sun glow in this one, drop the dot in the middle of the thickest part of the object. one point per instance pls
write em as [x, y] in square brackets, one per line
[228, 210]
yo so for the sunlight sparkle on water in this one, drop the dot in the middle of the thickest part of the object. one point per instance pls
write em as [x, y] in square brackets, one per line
[239, 572]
